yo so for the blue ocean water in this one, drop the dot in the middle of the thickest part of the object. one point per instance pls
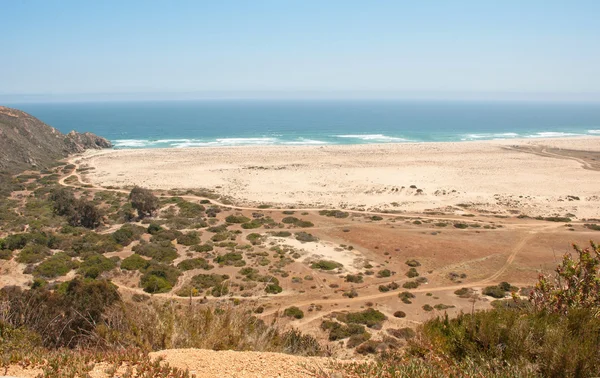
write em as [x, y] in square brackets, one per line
[303, 122]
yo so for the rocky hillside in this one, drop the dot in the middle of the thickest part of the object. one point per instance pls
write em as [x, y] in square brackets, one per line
[26, 142]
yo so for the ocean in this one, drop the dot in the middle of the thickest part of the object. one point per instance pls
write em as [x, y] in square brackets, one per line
[325, 122]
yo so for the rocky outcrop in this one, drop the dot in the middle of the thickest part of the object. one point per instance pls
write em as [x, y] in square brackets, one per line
[26, 142]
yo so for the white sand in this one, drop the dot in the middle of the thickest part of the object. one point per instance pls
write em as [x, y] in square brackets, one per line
[370, 176]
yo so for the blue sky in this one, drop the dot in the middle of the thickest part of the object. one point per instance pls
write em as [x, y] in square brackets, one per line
[387, 48]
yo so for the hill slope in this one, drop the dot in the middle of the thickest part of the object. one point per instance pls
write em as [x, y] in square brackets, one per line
[26, 142]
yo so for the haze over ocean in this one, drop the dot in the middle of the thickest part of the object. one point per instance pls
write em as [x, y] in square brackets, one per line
[209, 123]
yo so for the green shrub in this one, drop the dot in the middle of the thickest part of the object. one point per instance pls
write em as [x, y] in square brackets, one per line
[33, 253]
[165, 235]
[306, 237]
[197, 263]
[94, 265]
[134, 262]
[427, 308]
[162, 251]
[358, 339]
[557, 345]
[293, 312]
[461, 225]
[252, 224]
[281, 234]
[237, 219]
[254, 238]
[494, 291]
[191, 238]
[231, 258]
[354, 278]
[384, 273]
[412, 272]
[413, 263]
[558, 219]
[326, 265]
[6, 254]
[369, 317]
[189, 209]
[202, 248]
[55, 266]
[334, 213]
[592, 226]
[338, 331]
[159, 278]
[206, 281]
[297, 222]
[290, 220]
[464, 292]
[410, 285]
[406, 297]
[153, 228]
[127, 234]
[402, 333]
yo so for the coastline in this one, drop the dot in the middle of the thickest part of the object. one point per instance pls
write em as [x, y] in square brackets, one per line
[489, 175]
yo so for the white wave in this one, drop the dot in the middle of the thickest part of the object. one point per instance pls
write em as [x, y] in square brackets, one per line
[225, 142]
[130, 143]
[550, 134]
[163, 141]
[304, 142]
[373, 137]
[593, 131]
[490, 136]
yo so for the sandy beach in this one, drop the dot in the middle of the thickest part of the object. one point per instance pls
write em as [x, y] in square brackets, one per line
[527, 176]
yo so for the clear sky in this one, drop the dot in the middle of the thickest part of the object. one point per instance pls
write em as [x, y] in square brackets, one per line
[284, 47]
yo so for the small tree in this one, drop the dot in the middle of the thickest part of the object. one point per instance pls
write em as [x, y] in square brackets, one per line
[86, 214]
[143, 201]
[576, 283]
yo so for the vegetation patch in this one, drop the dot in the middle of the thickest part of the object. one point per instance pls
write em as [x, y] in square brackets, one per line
[326, 265]
[293, 312]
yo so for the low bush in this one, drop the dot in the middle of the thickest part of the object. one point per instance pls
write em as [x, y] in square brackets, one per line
[293, 312]
[159, 278]
[306, 237]
[33, 253]
[338, 331]
[326, 265]
[402, 333]
[412, 272]
[95, 265]
[134, 262]
[334, 213]
[231, 258]
[384, 273]
[237, 219]
[127, 234]
[410, 285]
[197, 263]
[57, 265]
[369, 317]
[400, 314]
[354, 278]
[191, 238]
[413, 263]
[162, 251]
[202, 248]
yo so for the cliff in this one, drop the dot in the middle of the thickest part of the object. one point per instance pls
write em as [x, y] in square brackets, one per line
[26, 142]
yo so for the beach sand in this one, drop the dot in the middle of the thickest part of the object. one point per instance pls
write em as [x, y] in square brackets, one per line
[535, 178]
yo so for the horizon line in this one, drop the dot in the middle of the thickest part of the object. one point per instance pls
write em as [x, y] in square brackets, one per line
[301, 95]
